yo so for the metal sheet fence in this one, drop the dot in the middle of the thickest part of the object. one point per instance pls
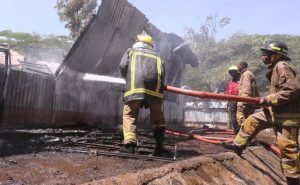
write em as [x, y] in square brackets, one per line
[28, 100]
[206, 116]
[87, 103]
[201, 112]
[31, 101]
[3, 75]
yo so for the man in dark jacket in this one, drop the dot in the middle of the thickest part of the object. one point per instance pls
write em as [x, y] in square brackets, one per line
[143, 71]
[281, 110]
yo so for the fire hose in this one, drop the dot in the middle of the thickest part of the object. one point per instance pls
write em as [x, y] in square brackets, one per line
[270, 147]
[217, 96]
[213, 140]
[219, 140]
[202, 94]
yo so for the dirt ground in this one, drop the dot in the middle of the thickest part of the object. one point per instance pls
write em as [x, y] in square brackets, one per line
[30, 159]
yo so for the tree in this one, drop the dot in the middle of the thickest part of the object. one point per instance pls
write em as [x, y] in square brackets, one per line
[76, 14]
[208, 30]
[212, 74]
[204, 44]
[36, 47]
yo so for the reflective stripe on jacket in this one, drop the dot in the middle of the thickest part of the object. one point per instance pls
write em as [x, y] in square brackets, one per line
[143, 71]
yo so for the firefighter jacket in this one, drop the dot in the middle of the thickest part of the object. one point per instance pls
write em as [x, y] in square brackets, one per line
[143, 71]
[284, 94]
[247, 85]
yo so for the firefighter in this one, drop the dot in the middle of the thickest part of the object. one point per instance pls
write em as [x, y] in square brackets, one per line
[142, 68]
[232, 89]
[247, 87]
[281, 110]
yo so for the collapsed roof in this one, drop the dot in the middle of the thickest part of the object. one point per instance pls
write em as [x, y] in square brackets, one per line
[99, 48]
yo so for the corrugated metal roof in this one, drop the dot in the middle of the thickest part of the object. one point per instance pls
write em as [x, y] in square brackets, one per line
[35, 67]
[101, 45]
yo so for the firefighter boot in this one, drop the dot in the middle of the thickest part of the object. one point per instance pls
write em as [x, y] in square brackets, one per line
[236, 149]
[292, 181]
[129, 148]
[159, 133]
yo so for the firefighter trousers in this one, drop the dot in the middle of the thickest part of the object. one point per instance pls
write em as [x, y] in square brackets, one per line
[287, 140]
[130, 115]
[243, 112]
[232, 117]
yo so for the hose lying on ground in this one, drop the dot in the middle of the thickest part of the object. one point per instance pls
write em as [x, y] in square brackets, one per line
[213, 140]
[218, 140]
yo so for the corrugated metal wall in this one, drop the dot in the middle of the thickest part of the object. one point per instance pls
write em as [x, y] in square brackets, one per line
[3, 75]
[4, 61]
[86, 103]
[27, 99]
[205, 112]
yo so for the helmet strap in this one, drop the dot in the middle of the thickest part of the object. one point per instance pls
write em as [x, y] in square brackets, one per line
[275, 57]
[149, 44]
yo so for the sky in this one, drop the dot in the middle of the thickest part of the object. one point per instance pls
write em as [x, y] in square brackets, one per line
[172, 16]
[32, 16]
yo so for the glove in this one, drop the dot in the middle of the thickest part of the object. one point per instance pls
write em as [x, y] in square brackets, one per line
[264, 102]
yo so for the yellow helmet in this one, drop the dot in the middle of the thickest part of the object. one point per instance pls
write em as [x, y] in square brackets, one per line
[233, 68]
[144, 38]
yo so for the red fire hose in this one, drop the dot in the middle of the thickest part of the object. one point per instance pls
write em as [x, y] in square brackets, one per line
[224, 132]
[217, 96]
[270, 147]
[213, 140]
[218, 140]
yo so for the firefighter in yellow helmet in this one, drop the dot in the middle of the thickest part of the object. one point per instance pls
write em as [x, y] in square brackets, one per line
[281, 110]
[145, 39]
[142, 68]
[232, 89]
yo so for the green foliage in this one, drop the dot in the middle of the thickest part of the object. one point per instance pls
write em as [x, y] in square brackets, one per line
[76, 14]
[209, 52]
[216, 59]
[37, 47]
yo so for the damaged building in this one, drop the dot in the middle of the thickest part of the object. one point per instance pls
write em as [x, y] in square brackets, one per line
[86, 91]
[88, 87]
